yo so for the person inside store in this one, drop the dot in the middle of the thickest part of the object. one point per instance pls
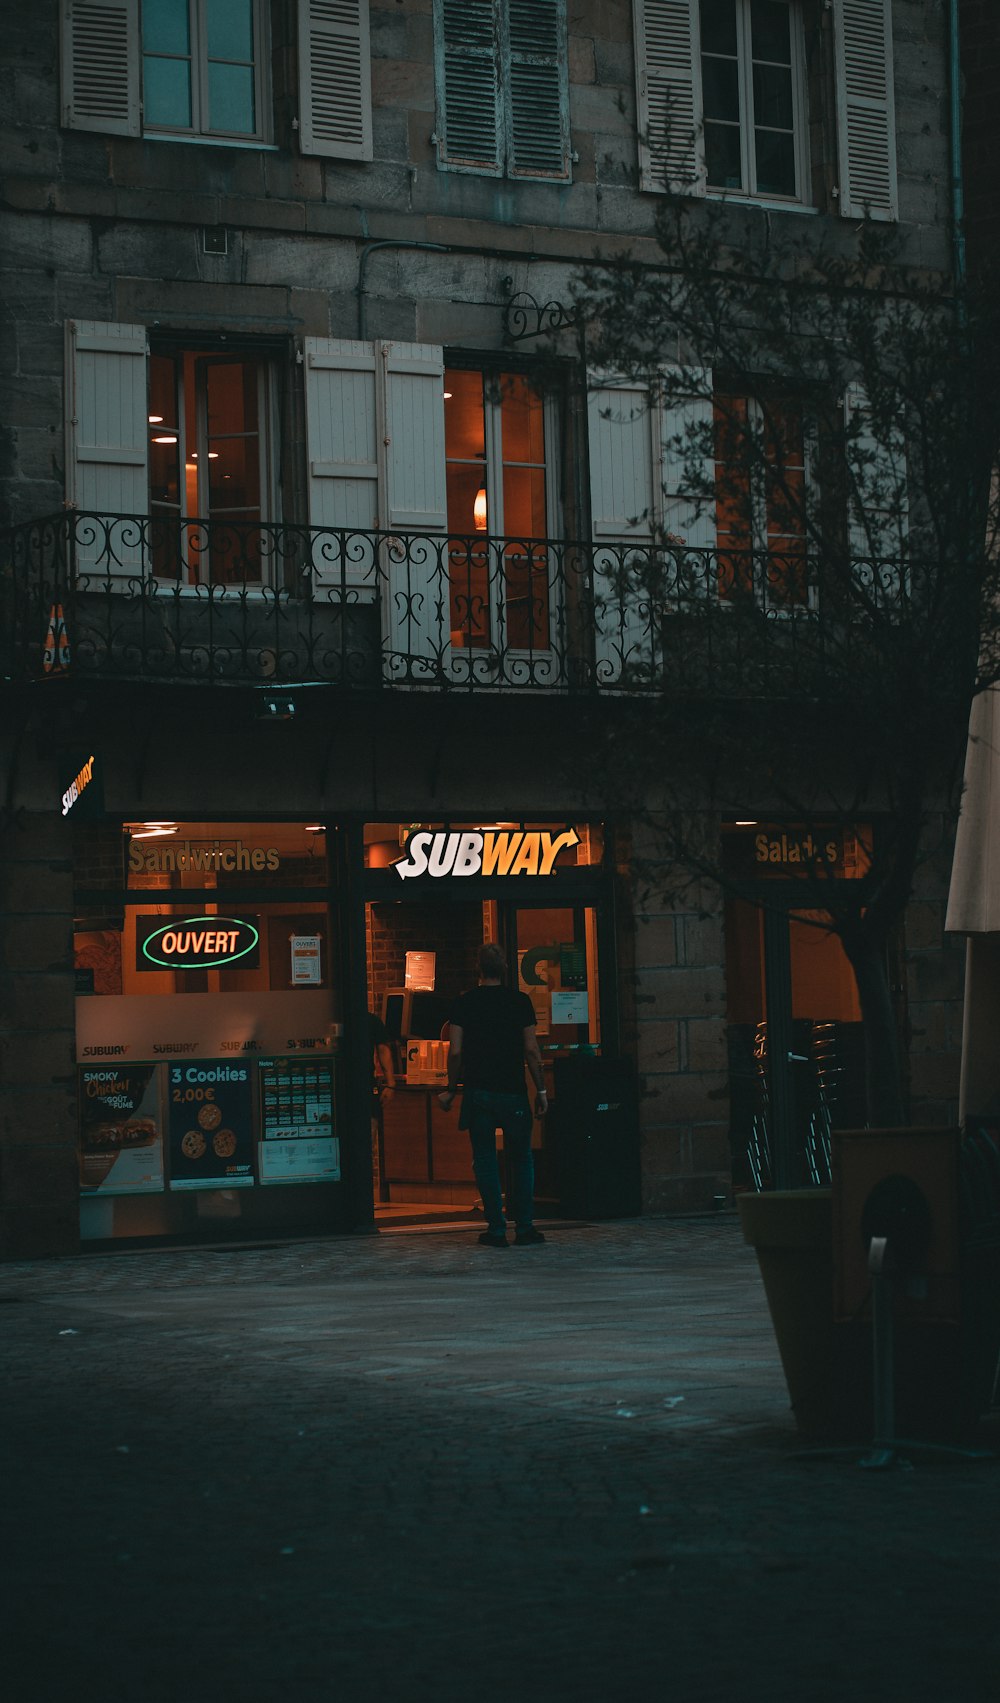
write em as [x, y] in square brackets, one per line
[383, 1063]
[492, 1035]
[383, 1089]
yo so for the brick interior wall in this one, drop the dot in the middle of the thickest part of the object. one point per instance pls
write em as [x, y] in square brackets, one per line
[453, 931]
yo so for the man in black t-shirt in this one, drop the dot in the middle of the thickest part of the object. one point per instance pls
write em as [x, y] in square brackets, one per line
[492, 1036]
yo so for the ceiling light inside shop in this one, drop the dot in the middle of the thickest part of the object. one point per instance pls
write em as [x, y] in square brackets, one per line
[164, 440]
[747, 824]
[155, 419]
[152, 830]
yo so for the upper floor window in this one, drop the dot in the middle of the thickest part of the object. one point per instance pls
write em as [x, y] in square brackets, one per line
[502, 87]
[722, 100]
[202, 69]
[760, 499]
[752, 91]
[202, 66]
[210, 418]
[499, 432]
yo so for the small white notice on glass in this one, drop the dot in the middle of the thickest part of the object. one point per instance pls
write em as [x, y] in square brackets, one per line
[307, 966]
[572, 1006]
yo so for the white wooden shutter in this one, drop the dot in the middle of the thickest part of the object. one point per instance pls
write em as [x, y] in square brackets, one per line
[335, 85]
[100, 65]
[343, 445]
[468, 128]
[537, 77]
[866, 125]
[624, 457]
[878, 504]
[418, 623]
[687, 425]
[668, 95]
[621, 459]
[106, 439]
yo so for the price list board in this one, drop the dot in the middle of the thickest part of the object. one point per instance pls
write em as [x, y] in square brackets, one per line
[297, 1144]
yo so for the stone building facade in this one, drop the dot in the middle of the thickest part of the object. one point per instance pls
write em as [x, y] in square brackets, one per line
[298, 228]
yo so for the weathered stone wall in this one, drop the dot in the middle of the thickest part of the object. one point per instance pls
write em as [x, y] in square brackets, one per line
[934, 968]
[980, 40]
[39, 1180]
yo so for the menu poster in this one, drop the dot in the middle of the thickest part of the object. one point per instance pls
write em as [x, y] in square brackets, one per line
[121, 1135]
[209, 1111]
[296, 1122]
[307, 962]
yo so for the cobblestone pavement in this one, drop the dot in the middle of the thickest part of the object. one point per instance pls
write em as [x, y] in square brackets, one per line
[409, 1468]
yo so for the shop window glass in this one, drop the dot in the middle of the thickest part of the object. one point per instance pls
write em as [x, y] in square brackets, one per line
[825, 1064]
[207, 1015]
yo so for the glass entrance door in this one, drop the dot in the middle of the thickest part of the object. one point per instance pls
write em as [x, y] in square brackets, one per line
[796, 1049]
[422, 955]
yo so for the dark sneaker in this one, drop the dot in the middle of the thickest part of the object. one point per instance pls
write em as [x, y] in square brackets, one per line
[489, 1240]
[529, 1238]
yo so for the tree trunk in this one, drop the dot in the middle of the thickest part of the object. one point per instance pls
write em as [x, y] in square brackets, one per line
[883, 1073]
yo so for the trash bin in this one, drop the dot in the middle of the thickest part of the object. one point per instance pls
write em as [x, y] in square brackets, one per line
[595, 1134]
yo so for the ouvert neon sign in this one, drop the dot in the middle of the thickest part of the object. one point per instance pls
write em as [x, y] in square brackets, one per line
[199, 943]
[483, 851]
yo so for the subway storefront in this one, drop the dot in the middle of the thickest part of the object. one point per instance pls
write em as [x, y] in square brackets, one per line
[227, 975]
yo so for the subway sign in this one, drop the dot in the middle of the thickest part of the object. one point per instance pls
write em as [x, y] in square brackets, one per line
[483, 851]
[196, 943]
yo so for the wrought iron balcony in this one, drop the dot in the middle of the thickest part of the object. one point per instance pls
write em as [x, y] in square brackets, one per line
[149, 599]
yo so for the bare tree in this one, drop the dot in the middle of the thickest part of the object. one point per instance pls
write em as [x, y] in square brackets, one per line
[808, 603]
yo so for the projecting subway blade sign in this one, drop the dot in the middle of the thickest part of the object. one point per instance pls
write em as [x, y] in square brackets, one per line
[196, 943]
[483, 851]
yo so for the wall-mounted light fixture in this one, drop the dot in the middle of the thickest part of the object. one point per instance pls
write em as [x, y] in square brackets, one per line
[479, 509]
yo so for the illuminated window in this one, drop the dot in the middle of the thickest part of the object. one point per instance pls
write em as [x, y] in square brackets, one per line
[760, 503]
[209, 458]
[500, 494]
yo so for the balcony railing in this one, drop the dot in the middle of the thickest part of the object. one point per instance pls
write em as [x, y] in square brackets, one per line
[155, 600]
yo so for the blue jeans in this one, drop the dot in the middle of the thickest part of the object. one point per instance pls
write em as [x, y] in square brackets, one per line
[483, 1113]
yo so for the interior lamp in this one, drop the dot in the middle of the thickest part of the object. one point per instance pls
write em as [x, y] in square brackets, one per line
[479, 509]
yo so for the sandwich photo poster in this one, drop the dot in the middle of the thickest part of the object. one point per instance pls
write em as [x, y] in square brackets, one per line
[121, 1130]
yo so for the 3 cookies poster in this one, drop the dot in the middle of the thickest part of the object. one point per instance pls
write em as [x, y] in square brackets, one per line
[209, 1119]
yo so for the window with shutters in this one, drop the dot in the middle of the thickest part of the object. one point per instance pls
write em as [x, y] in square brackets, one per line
[201, 69]
[502, 87]
[722, 97]
[752, 96]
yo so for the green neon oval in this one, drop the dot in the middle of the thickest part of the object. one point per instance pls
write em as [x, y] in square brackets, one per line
[199, 963]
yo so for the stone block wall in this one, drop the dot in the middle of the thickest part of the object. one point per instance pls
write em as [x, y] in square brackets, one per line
[980, 39]
[39, 1179]
[678, 1020]
[934, 987]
